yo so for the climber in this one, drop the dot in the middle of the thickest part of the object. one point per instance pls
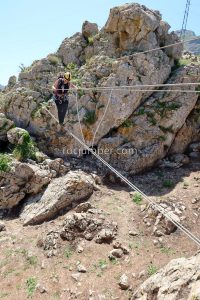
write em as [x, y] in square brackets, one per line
[60, 95]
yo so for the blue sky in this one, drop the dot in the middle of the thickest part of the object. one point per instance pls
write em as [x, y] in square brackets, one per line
[32, 29]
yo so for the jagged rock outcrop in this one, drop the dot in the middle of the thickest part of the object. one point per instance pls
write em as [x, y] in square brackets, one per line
[89, 225]
[177, 280]
[25, 179]
[136, 128]
[5, 125]
[89, 29]
[60, 193]
[192, 46]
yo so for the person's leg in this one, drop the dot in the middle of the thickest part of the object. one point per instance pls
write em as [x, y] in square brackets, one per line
[59, 108]
[64, 109]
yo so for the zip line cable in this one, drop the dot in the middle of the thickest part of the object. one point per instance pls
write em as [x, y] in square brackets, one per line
[158, 207]
[164, 47]
[105, 111]
[148, 90]
[135, 86]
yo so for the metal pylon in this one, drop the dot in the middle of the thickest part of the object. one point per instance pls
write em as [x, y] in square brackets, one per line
[185, 19]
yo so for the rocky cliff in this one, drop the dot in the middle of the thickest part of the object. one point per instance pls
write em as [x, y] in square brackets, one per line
[132, 129]
[193, 46]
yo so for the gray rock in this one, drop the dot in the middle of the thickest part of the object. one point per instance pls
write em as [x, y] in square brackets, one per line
[123, 282]
[41, 288]
[165, 282]
[2, 226]
[89, 29]
[116, 253]
[76, 276]
[12, 81]
[61, 192]
[81, 268]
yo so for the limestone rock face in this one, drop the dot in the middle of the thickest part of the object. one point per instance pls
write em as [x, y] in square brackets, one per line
[133, 128]
[177, 280]
[139, 28]
[71, 49]
[60, 193]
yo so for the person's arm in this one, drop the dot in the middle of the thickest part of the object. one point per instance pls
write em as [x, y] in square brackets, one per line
[73, 86]
[54, 86]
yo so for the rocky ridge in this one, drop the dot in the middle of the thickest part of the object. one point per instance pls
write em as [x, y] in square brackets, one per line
[102, 59]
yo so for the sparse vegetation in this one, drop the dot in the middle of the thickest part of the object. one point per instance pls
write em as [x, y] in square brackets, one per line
[31, 286]
[137, 198]
[166, 250]
[90, 117]
[26, 149]
[100, 266]
[32, 260]
[151, 118]
[53, 59]
[90, 40]
[76, 79]
[152, 269]
[68, 252]
[162, 138]
[23, 68]
[141, 111]
[3, 295]
[167, 129]
[167, 183]
[127, 123]
[5, 162]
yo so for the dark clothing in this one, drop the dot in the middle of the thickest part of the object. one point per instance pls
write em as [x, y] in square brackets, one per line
[61, 98]
[62, 105]
[62, 109]
[61, 87]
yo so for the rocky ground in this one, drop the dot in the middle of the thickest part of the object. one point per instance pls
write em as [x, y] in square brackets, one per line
[104, 248]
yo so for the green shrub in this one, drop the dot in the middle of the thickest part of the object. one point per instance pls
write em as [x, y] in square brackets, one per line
[162, 138]
[127, 123]
[90, 117]
[167, 183]
[69, 251]
[90, 40]
[23, 68]
[167, 129]
[4, 162]
[76, 79]
[151, 270]
[25, 150]
[137, 198]
[31, 286]
[53, 59]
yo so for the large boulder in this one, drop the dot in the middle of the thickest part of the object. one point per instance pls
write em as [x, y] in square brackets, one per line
[22, 179]
[60, 193]
[25, 179]
[71, 49]
[178, 280]
[89, 29]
